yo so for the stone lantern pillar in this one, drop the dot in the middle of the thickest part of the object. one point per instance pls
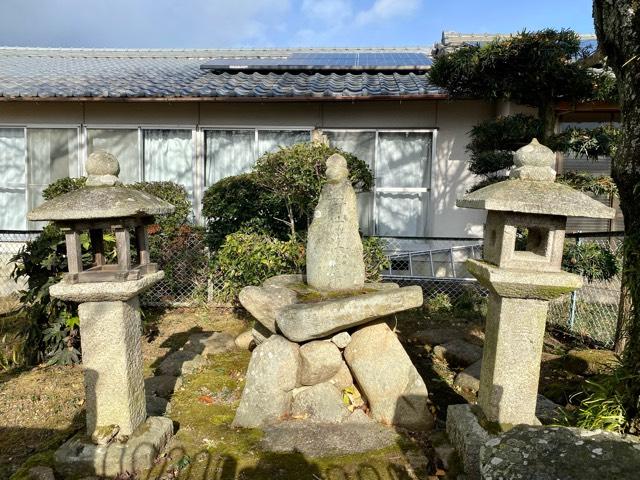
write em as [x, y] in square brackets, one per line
[119, 436]
[522, 278]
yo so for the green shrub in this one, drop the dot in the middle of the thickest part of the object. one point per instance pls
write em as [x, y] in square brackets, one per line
[296, 174]
[240, 201]
[63, 185]
[439, 303]
[176, 195]
[590, 260]
[375, 261]
[249, 258]
[470, 305]
[52, 324]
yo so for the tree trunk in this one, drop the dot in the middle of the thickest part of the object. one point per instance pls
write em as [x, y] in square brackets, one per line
[547, 114]
[617, 25]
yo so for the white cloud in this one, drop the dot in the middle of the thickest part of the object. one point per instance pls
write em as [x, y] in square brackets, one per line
[383, 10]
[142, 23]
[327, 11]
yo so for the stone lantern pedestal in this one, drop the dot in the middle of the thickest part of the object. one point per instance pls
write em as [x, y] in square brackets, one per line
[521, 267]
[119, 437]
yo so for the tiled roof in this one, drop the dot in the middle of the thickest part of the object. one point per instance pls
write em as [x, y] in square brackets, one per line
[80, 73]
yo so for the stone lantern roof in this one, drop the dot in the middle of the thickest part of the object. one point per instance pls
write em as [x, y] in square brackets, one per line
[102, 198]
[531, 188]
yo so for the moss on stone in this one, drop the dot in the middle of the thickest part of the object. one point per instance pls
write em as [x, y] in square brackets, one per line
[206, 446]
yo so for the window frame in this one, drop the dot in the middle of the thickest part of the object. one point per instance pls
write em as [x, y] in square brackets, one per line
[373, 220]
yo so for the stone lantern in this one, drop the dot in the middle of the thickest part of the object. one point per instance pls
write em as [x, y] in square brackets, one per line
[522, 279]
[119, 436]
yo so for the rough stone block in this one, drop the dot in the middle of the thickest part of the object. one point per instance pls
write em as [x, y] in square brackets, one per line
[469, 378]
[181, 362]
[396, 393]
[458, 353]
[320, 403]
[113, 367]
[341, 340]
[319, 361]
[271, 377]
[302, 322]
[343, 378]
[79, 456]
[161, 385]
[532, 453]
[264, 302]
[467, 436]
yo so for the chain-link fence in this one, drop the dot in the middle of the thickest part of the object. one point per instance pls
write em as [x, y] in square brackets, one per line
[592, 311]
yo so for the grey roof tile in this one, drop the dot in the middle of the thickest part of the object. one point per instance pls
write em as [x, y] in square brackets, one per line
[68, 73]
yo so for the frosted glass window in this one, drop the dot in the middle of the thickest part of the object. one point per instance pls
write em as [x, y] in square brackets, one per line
[403, 159]
[168, 156]
[363, 146]
[403, 162]
[271, 140]
[52, 154]
[227, 153]
[121, 143]
[13, 200]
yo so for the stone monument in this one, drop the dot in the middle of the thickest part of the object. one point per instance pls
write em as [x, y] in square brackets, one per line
[119, 436]
[323, 356]
[521, 280]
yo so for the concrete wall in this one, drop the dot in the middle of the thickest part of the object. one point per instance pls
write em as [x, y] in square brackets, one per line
[453, 120]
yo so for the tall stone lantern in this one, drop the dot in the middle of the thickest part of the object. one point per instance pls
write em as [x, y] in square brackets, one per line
[522, 279]
[119, 436]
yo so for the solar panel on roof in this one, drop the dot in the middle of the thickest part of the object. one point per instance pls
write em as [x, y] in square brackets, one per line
[373, 61]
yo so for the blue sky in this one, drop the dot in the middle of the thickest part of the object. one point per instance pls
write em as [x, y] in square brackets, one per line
[273, 23]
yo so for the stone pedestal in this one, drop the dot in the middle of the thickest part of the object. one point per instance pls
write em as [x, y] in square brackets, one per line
[112, 362]
[119, 437]
[511, 359]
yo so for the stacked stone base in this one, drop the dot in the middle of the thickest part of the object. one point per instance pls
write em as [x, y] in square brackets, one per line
[357, 374]
[80, 456]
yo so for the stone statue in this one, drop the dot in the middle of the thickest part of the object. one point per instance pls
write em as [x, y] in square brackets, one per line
[334, 248]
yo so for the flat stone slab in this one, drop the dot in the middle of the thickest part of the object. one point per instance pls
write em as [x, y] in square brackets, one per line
[469, 378]
[526, 284]
[307, 321]
[458, 353]
[264, 302]
[104, 291]
[324, 440]
[530, 453]
[78, 456]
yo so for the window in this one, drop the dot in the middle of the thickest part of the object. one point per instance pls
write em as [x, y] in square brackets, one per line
[228, 152]
[271, 140]
[169, 156]
[232, 152]
[13, 199]
[401, 163]
[402, 180]
[123, 143]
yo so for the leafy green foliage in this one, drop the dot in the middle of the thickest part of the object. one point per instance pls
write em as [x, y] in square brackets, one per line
[375, 261]
[591, 260]
[602, 403]
[587, 142]
[249, 257]
[295, 176]
[530, 68]
[240, 201]
[63, 185]
[494, 141]
[588, 183]
[52, 334]
[173, 193]
[439, 303]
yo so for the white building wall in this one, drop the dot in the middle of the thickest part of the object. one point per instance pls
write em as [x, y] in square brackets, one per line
[451, 120]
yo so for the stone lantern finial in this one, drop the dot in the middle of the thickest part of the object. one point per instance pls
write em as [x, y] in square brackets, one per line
[534, 162]
[102, 169]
